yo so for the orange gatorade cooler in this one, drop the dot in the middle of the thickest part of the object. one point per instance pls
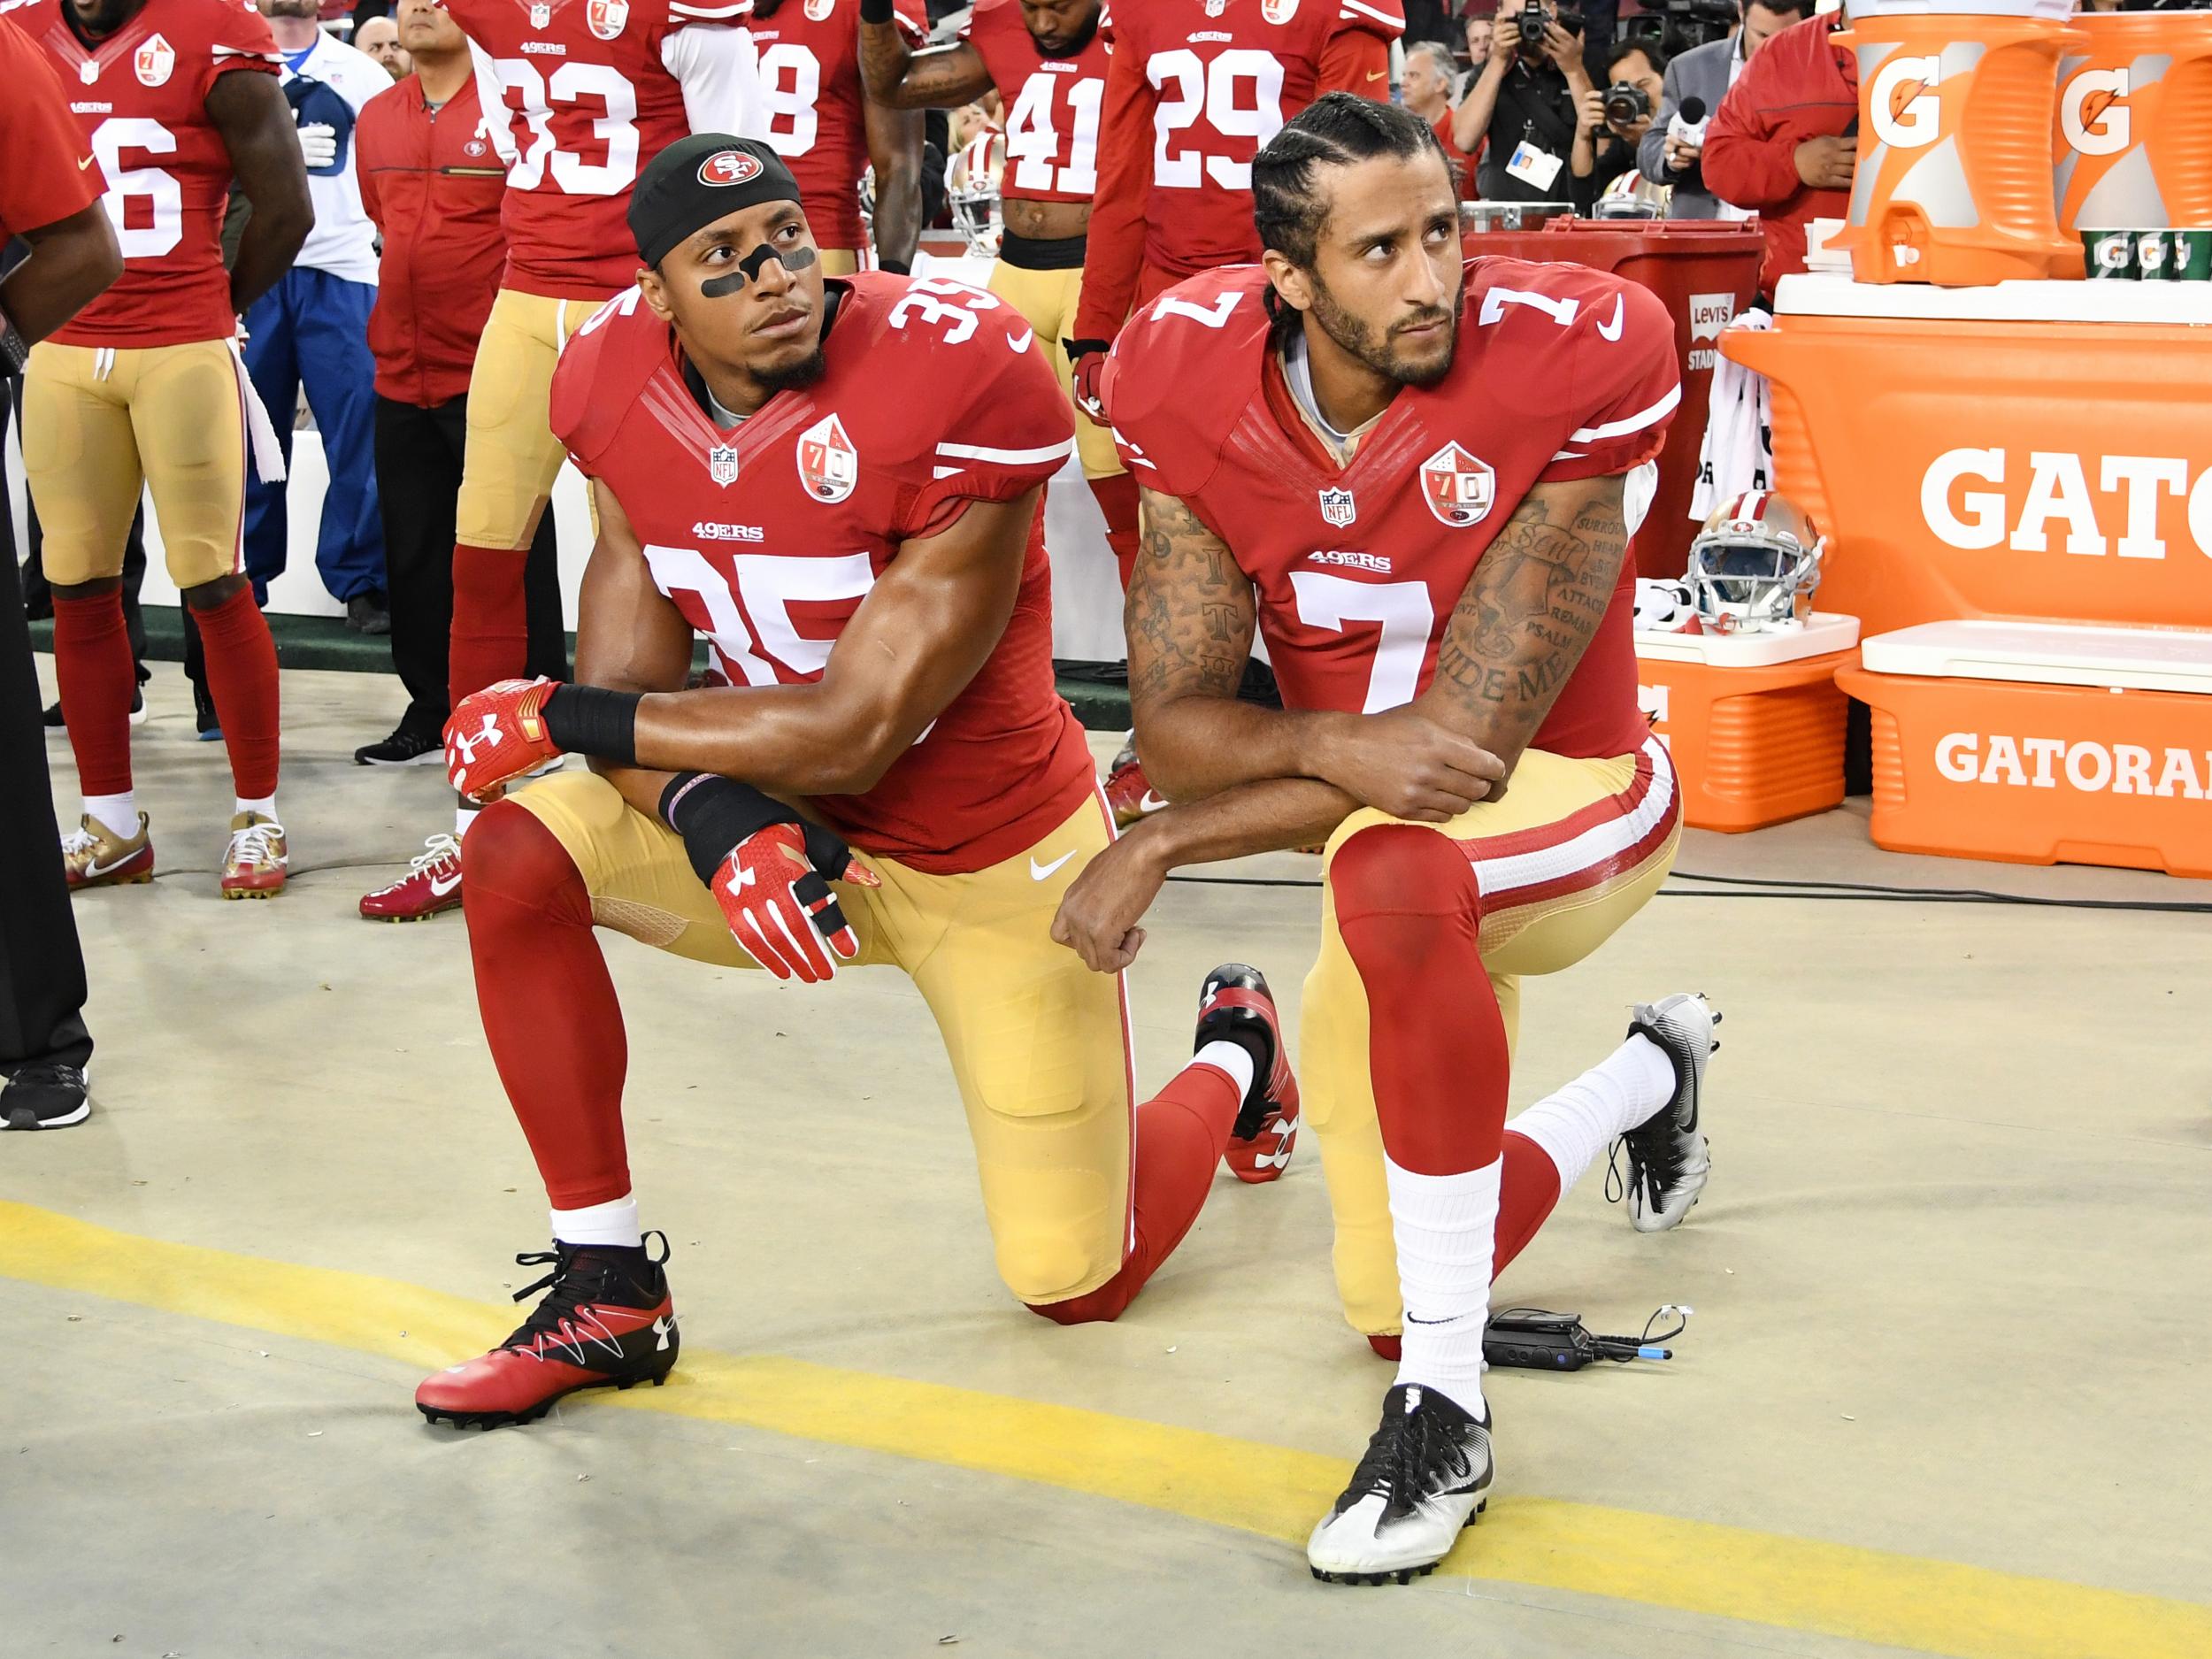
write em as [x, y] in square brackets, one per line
[2041, 743]
[1754, 721]
[1957, 100]
[2134, 134]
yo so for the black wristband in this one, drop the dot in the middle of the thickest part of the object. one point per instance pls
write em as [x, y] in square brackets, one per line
[1074, 348]
[896, 267]
[713, 814]
[591, 720]
[875, 11]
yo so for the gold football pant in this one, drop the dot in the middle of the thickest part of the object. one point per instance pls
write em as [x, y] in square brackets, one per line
[99, 422]
[1047, 301]
[512, 457]
[1563, 860]
[1039, 1043]
[839, 261]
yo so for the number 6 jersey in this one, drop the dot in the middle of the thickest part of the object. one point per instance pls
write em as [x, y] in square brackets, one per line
[769, 536]
[141, 98]
[1560, 372]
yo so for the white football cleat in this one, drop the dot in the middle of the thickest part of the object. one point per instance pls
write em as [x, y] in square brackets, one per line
[1669, 1161]
[1425, 1478]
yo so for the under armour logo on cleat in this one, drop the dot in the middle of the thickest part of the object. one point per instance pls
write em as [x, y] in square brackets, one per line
[664, 1328]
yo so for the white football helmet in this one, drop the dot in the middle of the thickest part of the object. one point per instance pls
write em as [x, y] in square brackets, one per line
[1663, 607]
[971, 187]
[1755, 564]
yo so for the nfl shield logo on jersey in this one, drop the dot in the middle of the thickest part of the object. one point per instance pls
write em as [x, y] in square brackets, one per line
[1278, 10]
[1337, 508]
[155, 62]
[1215, 8]
[722, 464]
[87, 72]
[1458, 487]
[829, 466]
[605, 17]
[541, 13]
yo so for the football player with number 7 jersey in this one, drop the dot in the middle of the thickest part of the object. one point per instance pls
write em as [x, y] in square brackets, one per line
[1418, 476]
[577, 96]
[833, 479]
[1047, 60]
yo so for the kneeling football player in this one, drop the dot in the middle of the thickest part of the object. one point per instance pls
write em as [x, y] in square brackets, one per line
[1412, 474]
[836, 481]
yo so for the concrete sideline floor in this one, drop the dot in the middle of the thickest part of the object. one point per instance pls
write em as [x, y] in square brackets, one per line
[1941, 1393]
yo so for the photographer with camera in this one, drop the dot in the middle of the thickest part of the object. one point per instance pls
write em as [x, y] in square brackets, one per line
[1672, 149]
[1524, 103]
[1609, 124]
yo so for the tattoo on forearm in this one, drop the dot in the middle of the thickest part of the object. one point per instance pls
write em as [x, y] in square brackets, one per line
[1190, 611]
[1529, 613]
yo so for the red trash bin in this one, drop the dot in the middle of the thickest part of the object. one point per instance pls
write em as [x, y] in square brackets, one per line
[1706, 270]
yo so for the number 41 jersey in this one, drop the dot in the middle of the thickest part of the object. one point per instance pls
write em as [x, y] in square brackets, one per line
[1560, 374]
[769, 537]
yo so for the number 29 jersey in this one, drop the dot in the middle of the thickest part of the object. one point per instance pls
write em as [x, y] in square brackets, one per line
[141, 98]
[769, 537]
[1560, 374]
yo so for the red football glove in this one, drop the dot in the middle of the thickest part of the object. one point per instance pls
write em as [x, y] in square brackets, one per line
[1087, 365]
[779, 907]
[496, 735]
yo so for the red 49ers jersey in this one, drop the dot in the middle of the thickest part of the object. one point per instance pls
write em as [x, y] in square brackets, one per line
[809, 77]
[1053, 104]
[1561, 373]
[1195, 89]
[577, 95]
[769, 537]
[141, 98]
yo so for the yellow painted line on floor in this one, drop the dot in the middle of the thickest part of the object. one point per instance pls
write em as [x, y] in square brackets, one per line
[1795, 1583]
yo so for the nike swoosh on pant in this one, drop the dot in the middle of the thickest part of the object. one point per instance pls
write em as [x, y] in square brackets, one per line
[1043, 873]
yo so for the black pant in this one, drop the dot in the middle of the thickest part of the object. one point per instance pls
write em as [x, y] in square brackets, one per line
[418, 480]
[41, 965]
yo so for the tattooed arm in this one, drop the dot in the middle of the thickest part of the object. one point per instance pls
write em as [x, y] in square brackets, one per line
[936, 78]
[1529, 612]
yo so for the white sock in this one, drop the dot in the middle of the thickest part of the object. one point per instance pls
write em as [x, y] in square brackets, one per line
[1447, 1227]
[117, 813]
[614, 1222]
[266, 806]
[1621, 1092]
[1232, 1057]
[463, 816]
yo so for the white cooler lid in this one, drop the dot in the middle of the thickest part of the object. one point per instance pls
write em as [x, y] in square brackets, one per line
[1822, 633]
[2047, 653]
[2051, 11]
[1817, 295]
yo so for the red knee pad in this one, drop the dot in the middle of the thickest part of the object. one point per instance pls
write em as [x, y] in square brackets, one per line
[508, 854]
[1398, 869]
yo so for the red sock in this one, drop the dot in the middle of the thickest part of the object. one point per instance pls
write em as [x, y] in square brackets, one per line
[491, 619]
[548, 1004]
[92, 661]
[1528, 1190]
[1181, 1134]
[1118, 500]
[242, 678]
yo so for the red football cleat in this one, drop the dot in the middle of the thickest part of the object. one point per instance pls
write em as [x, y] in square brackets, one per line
[1129, 794]
[432, 883]
[600, 1327]
[1267, 1126]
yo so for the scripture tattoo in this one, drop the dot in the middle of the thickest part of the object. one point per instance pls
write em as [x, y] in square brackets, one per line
[1529, 612]
[1190, 612]
[936, 78]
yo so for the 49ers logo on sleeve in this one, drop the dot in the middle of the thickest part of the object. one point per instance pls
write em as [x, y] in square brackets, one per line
[1458, 487]
[829, 466]
[605, 17]
[727, 166]
[1278, 10]
[155, 62]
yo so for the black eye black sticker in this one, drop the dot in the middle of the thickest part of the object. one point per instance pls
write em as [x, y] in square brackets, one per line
[749, 267]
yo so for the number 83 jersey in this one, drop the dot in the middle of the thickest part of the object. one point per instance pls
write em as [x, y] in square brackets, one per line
[141, 98]
[1559, 372]
[769, 537]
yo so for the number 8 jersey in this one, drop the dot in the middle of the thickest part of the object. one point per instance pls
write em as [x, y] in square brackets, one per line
[769, 536]
[577, 95]
[141, 98]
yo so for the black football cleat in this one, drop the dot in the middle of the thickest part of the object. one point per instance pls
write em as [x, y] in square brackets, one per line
[1236, 998]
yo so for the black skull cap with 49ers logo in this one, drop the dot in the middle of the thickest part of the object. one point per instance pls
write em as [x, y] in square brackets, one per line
[699, 179]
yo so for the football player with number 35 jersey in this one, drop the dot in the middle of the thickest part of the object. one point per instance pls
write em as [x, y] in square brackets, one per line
[1047, 60]
[833, 479]
[577, 96]
[143, 389]
[1419, 478]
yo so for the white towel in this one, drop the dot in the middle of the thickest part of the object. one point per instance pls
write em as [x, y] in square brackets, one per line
[1737, 453]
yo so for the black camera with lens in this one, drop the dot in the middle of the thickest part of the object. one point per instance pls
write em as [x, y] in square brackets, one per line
[1626, 103]
[1537, 19]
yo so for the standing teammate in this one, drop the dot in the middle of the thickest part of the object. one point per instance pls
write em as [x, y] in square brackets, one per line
[144, 388]
[1413, 476]
[1047, 59]
[828, 130]
[577, 94]
[835, 481]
